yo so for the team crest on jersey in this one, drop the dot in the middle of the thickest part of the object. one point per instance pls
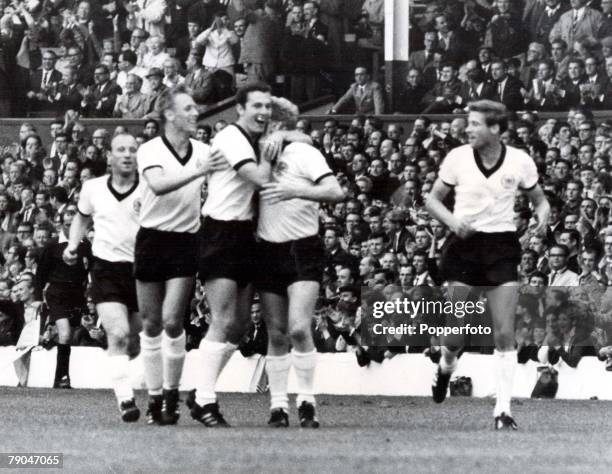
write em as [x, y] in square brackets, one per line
[508, 181]
[137, 205]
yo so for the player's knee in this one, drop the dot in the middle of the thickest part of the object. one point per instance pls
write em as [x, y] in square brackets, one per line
[151, 326]
[173, 327]
[118, 338]
[299, 334]
[277, 338]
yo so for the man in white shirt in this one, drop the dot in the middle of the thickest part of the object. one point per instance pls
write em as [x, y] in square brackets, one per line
[485, 251]
[290, 268]
[111, 203]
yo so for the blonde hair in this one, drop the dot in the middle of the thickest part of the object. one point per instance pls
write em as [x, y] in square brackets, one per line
[285, 112]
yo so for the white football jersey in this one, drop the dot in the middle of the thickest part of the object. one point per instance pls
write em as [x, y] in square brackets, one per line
[230, 198]
[115, 218]
[486, 197]
[293, 219]
[178, 210]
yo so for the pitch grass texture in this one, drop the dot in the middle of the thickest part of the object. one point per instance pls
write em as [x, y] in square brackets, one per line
[358, 434]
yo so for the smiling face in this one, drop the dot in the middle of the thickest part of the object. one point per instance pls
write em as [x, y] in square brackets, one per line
[183, 114]
[123, 155]
[256, 112]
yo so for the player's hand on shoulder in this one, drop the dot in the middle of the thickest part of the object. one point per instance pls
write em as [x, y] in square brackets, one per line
[463, 228]
[275, 192]
[216, 162]
[271, 146]
[70, 256]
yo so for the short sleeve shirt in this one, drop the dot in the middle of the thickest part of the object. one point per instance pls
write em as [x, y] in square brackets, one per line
[486, 196]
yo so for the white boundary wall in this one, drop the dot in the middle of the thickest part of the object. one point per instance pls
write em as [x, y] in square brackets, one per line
[406, 374]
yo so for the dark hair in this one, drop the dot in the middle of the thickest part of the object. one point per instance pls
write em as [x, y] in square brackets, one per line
[129, 56]
[562, 247]
[242, 95]
[59, 193]
[378, 235]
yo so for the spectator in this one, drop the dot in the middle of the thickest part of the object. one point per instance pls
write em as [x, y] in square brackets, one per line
[132, 103]
[364, 94]
[99, 100]
[580, 22]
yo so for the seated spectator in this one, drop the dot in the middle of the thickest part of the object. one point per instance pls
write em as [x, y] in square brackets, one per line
[68, 94]
[421, 59]
[99, 100]
[172, 78]
[199, 80]
[477, 85]
[156, 86]
[89, 333]
[255, 341]
[364, 95]
[132, 103]
[156, 54]
[508, 88]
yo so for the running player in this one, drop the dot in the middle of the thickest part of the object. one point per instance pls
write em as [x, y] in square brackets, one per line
[112, 202]
[290, 269]
[484, 250]
[227, 242]
[172, 169]
[63, 287]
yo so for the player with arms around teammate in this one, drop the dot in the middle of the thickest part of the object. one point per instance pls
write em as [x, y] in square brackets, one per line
[227, 243]
[172, 169]
[290, 269]
[112, 203]
[484, 250]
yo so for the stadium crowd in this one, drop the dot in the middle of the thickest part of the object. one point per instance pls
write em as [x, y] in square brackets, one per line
[112, 58]
[380, 237]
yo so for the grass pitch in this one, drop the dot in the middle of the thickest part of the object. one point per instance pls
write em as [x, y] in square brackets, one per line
[358, 434]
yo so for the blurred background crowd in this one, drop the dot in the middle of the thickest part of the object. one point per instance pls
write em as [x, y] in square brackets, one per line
[71, 59]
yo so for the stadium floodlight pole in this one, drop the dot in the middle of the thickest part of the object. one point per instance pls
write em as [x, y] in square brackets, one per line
[397, 22]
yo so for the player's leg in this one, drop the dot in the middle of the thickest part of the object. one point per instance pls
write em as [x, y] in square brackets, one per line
[302, 300]
[177, 293]
[278, 360]
[451, 344]
[502, 302]
[115, 320]
[150, 299]
[216, 348]
[62, 368]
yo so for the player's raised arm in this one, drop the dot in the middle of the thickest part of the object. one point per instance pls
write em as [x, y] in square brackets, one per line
[163, 183]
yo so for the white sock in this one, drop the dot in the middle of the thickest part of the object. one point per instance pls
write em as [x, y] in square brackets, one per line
[118, 367]
[504, 371]
[277, 368]
[214, 357]
[448, 361]
[150, 348]
[173, 354]
[304, 364]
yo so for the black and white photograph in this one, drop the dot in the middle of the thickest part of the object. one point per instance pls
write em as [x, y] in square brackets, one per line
[306, 236]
